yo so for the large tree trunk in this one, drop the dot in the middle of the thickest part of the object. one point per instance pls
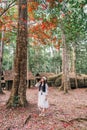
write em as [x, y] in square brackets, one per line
[65, 67]
[1, 55]
[18, 93]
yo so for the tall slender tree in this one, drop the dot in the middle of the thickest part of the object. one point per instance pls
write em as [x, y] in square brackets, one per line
[73, 67]
[1, 55]
[18, 93]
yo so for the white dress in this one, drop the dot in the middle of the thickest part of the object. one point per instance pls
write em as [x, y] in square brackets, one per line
[42, 101]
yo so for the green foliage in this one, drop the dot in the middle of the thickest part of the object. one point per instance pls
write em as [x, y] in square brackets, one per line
[43, 59]
[69, 17]
[8, 57]
[81, 54]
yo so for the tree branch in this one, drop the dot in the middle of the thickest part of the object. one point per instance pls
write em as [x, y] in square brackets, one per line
[9, 6]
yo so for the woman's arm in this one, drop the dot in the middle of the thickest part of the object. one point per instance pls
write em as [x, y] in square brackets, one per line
[46, 89]
[46, 96]
[37, 84]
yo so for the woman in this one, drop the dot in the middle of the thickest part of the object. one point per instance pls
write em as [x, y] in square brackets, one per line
[42, 96]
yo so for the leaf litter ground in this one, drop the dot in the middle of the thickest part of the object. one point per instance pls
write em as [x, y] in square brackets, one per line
[66, 112]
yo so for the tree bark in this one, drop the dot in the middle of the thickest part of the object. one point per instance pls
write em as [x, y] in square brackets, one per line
[73, 60]
[1, 55]
[18, 93]
[65, 67]
[73, 66]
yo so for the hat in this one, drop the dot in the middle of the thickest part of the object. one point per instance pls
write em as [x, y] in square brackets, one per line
[44, 78]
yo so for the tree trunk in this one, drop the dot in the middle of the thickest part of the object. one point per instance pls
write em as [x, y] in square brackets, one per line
[73, 66]
[18, 93]
[73, 60]
[1, 55]
[65, 67]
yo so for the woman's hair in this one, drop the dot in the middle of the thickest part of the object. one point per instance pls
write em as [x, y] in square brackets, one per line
[45, 81]
[44, 78]
[43, 87]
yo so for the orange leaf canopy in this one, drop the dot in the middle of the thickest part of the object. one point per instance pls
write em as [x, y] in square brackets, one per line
[32, 6]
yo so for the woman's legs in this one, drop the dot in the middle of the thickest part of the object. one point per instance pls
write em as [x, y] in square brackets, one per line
[42, 111]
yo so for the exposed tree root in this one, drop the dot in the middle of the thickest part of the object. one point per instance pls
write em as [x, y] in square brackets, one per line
[28, 118]
[75, 119]
[79, 119]
[12, 103]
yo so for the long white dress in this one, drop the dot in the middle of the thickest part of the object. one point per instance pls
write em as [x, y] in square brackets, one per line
[42, 100]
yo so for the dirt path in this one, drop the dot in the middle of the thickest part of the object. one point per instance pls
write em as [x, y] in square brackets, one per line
[66, 112]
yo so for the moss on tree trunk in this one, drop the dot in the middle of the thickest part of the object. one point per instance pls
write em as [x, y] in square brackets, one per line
[18, 93]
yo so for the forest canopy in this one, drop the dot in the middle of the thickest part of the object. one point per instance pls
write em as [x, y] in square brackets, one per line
[46, 20]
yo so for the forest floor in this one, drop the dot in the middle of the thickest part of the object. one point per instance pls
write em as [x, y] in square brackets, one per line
[66, 112]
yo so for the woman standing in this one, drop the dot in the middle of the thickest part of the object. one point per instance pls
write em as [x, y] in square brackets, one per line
[42, 96]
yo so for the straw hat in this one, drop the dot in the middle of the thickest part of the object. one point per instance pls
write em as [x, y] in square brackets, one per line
[44, 78]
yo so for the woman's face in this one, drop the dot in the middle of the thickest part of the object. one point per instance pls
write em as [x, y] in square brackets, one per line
[42, 80]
